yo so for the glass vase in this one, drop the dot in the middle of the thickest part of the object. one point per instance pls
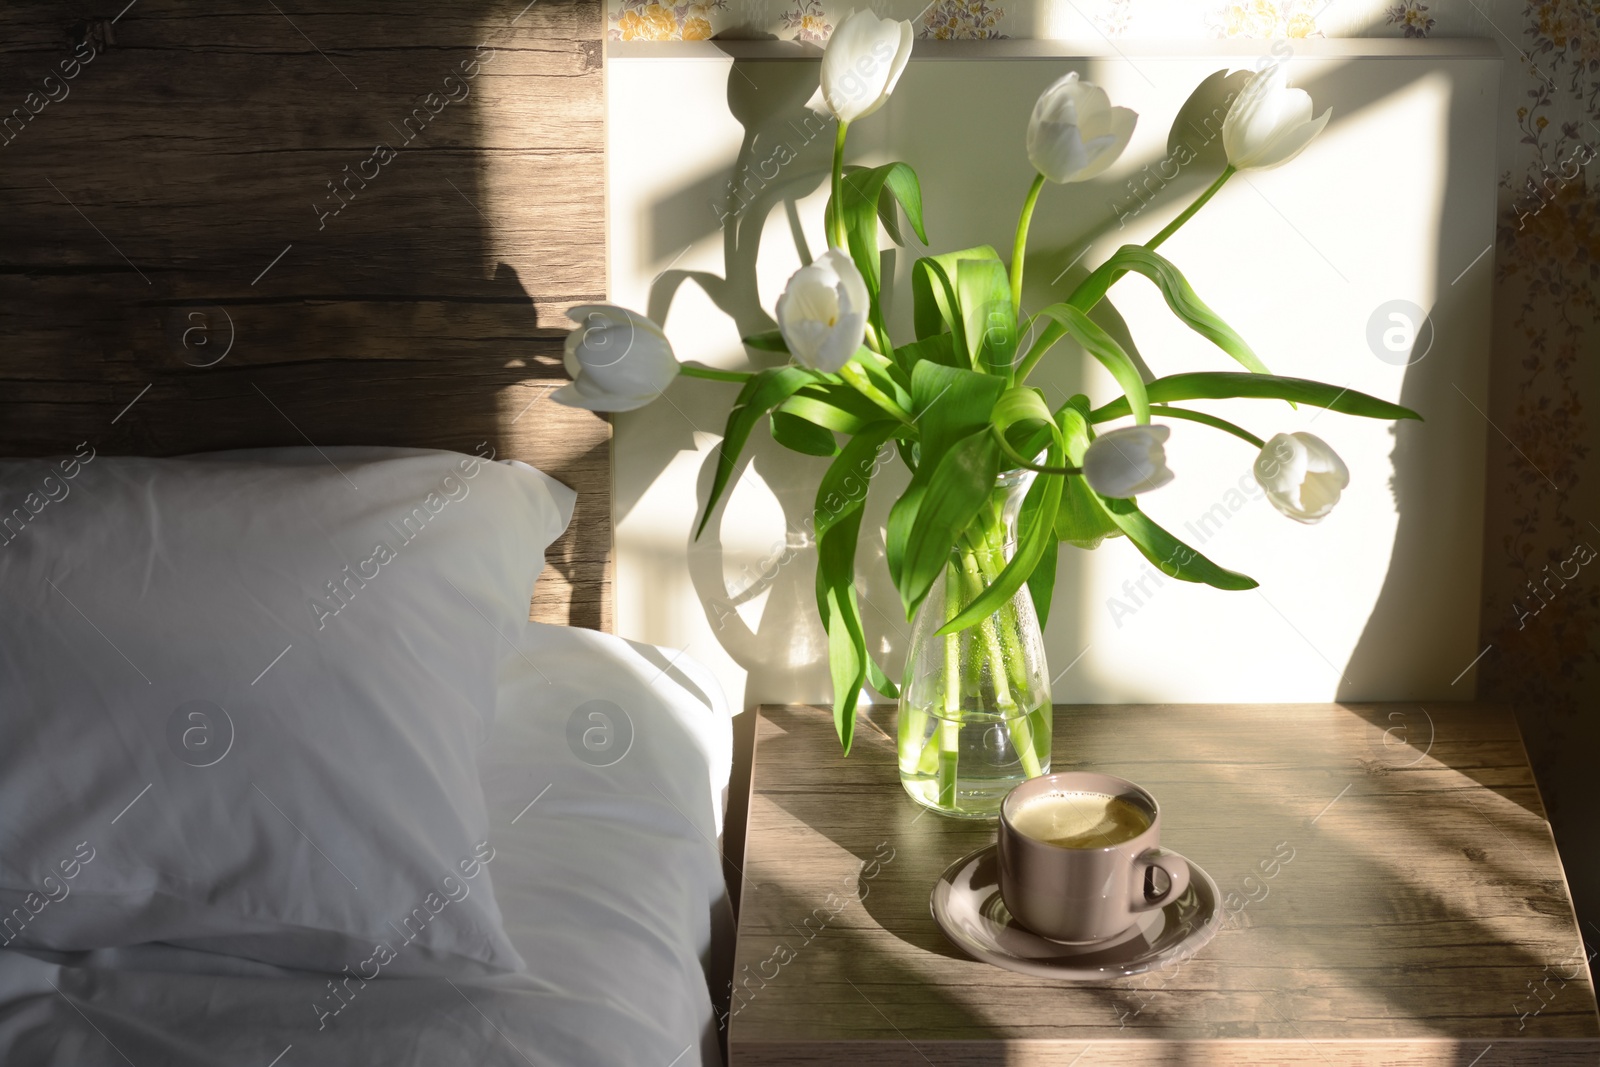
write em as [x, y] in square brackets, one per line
[975, 715]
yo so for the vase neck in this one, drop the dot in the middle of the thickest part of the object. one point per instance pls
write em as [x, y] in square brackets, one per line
[993, 531]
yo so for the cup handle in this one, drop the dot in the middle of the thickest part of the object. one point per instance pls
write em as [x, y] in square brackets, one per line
[1177, 871]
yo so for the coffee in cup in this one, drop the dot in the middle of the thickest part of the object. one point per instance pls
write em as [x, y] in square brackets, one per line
[1075, 852]
[1080, 820]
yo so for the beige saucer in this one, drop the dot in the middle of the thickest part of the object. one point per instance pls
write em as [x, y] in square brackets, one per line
[967, 906]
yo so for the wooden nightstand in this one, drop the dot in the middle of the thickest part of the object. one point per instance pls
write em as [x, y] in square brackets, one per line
[1422, 919]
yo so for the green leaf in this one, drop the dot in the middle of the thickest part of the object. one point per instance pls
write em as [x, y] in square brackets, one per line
[885, 375]
[1103, 347]
[801, 435]
[1175, 288]
[767, 341]
[760, 395]
[933, 301]
[1076, 432]
[1035, 537]
[1022, 406]
[988, 321]
[934, 304]
[1093, 288]
[880, 681]
[940, 349]
[833, 407]
[841, 500]
[924, 524]
[1225, 385]
[901, 187]
[842, 493]
[1081, 520]
[1188, 307]
[846, 659]
[1176, 559]
[1042, 582]
[949, 403]
[863, 191]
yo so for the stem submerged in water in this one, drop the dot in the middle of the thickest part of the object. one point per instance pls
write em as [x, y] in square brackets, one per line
[981, 675]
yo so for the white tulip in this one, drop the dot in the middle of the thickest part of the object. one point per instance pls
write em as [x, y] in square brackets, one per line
[1269, 123]
[864, 58]
[1122, 463]
[618, 360]
[1303, 477]
[822, 313]
[1075, 133]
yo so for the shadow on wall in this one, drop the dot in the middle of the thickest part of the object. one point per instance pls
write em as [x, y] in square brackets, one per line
[784, 157]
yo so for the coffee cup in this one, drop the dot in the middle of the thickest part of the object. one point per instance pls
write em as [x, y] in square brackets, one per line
[1076, 853]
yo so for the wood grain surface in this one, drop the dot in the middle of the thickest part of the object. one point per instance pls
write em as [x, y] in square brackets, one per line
[178, 275]
[1423, 917]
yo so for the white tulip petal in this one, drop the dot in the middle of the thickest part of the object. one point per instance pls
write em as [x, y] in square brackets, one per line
[902, 56]
[852, 287]
[618, 360]
[1122, 463]
[1294, 107]
[864, 59]
[1093, 107]
[574, 397]
[1302, 475]
[1269, 123]
[1074, 133]
[822, 312]
[1111, 146]
[1294, 142]
[840, 344]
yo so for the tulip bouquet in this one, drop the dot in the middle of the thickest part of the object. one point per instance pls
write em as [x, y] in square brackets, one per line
[998, 478]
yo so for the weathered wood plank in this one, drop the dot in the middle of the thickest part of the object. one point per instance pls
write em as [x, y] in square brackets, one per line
[1422, 917]
[171, 240]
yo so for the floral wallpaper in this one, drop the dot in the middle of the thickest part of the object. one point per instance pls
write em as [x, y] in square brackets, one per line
[1541, 596]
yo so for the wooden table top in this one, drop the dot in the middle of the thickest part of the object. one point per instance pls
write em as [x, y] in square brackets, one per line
[1423, 917]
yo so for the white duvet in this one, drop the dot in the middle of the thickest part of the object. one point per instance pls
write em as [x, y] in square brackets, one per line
[605, 777]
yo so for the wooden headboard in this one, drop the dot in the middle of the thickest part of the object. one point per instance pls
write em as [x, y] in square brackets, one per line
[236, 223]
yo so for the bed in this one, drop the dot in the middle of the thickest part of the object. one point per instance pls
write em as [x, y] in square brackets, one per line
[605, 984]
[207, 248]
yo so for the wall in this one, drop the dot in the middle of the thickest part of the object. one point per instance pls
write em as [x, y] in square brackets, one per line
[1538, 644]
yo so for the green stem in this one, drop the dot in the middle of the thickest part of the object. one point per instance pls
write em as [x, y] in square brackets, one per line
[691, 370]
[1016, 457]
[1189, 212]
[837, 237]
[1020, 248]
[858, 379]
[977, 560]
[952, 646]
[946, 745]
[877, 339]
[1000, 647]
[1056, 331]
[1207, 420]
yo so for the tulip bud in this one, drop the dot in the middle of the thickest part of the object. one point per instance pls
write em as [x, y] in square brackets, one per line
[1269, 123]
[1303, 477]
[1075, 133]
[822, 313]
[864, 58]
[618, 360]
[1125, 462]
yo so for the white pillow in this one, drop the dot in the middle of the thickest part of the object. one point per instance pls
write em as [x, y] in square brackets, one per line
[240, 697]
